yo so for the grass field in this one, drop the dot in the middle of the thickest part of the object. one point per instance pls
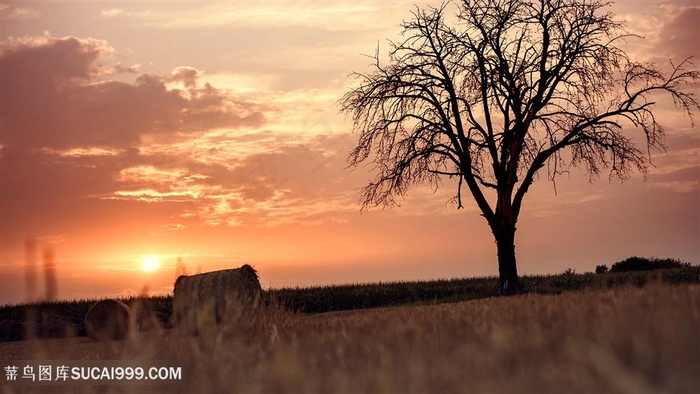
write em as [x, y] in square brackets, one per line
[622, 340]
[65, 318]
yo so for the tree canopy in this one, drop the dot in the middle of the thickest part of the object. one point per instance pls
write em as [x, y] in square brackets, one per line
[490, 92]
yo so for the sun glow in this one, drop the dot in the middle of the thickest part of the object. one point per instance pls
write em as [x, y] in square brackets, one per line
[150, 263]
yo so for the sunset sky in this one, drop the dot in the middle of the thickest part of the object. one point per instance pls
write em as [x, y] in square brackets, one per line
[210, 132]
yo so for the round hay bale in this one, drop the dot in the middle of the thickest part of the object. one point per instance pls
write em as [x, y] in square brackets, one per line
[107, 320]
[211, 295]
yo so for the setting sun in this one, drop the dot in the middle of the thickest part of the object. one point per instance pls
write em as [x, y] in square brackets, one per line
[150, 263]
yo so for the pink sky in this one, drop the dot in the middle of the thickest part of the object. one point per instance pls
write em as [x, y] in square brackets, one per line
[210, 132]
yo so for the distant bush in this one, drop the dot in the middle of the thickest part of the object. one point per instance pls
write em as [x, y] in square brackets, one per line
[601, 269]
[635, 263]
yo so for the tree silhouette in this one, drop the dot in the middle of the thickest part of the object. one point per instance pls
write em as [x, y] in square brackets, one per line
[495, 91]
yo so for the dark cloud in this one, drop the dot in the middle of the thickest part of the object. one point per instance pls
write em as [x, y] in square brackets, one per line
[53, 96]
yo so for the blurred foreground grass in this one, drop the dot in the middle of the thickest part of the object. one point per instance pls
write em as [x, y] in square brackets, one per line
[621, 340]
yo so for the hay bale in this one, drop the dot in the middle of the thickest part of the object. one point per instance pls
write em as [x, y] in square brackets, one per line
[199, 299]
[107, 320]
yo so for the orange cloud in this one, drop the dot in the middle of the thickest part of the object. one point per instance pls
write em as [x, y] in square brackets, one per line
[163, 140]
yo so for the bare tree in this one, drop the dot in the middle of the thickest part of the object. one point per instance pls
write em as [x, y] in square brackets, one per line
[494, 92]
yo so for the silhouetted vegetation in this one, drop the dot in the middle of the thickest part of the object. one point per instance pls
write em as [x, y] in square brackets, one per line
[601, 269]
[635, 263]
[361, 296]
[62, 319]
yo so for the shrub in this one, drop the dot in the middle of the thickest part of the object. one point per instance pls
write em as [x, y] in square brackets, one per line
[601, 269]
[635, 263]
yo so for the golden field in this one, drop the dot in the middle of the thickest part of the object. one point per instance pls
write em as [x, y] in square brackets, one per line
[626, 340]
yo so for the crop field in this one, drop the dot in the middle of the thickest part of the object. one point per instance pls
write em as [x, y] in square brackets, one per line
[622, 340]
[65, 318]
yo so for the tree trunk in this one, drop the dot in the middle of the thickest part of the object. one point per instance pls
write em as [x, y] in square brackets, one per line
[508, 283]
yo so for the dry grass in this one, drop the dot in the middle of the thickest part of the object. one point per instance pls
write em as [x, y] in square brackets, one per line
[616, 341]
